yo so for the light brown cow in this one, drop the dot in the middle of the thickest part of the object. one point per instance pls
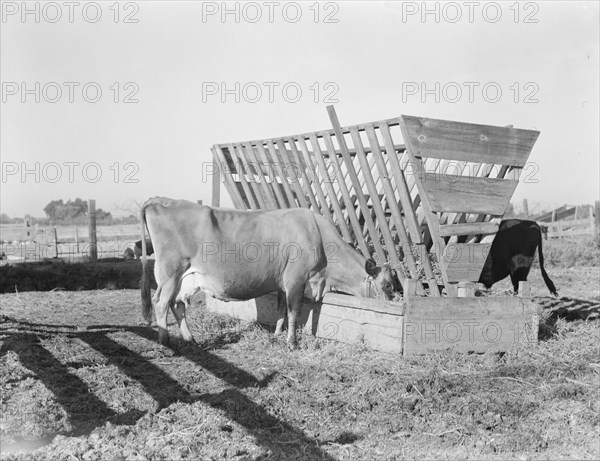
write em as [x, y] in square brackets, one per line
[240, 255]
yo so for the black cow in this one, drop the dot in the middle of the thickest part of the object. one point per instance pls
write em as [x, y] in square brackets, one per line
[138, 249]
[512, 253]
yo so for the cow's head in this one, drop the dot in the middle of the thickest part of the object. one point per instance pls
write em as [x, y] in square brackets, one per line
[382, 281]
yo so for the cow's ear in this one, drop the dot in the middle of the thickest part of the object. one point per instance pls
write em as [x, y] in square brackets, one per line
[371, 267]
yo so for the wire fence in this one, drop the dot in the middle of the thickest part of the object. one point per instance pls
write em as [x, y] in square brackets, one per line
[23, 243]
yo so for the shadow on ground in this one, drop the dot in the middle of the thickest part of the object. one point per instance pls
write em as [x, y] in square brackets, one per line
[25, 339]
[566, 308]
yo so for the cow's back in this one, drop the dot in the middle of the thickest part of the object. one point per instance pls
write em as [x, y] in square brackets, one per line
[237, 254]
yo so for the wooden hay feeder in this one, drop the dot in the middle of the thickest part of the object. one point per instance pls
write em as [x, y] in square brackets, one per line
[426, 206]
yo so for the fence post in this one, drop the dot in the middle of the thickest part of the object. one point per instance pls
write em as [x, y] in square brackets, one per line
[55, 243]
[525, 208]
[92, 229]
[216, 187]
[77, 239]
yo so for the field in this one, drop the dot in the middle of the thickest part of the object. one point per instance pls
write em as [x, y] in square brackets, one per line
[73, 241]
[81, 378]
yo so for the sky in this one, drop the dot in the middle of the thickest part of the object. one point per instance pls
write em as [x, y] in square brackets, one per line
[119, 102]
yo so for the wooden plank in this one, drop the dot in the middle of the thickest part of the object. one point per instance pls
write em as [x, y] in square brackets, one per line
[331, 192]
[470, 142]
[305, 184]
[269, 197]
[314, 180]
[391, 197]
[466, 289]
[343, 318]
[281, 202]
[236, 197]
[216, 185]
[379, 331]
[431, 219]
[293, 181]
[468, 229]
[463, 262]
[244, 165]
[409, 207]
[370, 304]
[467, 324]
[471, 195]
[401, 186]
[362, 203]
[377, 207]
[277, 162]
[348, 201]
[248, 195]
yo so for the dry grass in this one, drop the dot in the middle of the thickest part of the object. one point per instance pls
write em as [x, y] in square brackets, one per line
[82, 380]
[572, 252]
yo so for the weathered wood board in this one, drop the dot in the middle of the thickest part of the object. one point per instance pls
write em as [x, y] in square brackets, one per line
[422, 326]
[473, 324]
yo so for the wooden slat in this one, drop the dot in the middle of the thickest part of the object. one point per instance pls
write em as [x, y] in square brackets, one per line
[337, 209]
[255, 186]
[470, 195]
[464, 261]
[402, 187]
[281, 202]
[362, 203]
[384, 226]
[238, 200]
[431, 219]
[468, 229]
[305, 184]
[347, 200]
[242, 179]
[470, 142]
[314, 181]
[277, 161]
[394, 208]
[294, 182]
[269, 198]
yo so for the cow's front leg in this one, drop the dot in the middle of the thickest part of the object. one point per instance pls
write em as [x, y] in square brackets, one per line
[294, 303]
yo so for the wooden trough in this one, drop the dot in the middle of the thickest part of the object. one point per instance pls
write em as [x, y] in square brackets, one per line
[426, 205]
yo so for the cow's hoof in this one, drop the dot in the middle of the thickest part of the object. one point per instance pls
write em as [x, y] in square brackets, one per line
[292, 345]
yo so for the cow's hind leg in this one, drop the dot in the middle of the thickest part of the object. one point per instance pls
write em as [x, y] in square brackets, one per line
[165, 300]
[178, 309]
[519, 271]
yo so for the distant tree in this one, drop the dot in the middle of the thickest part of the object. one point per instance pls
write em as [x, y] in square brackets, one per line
[52, 208]
[5, 219]
[73, 211]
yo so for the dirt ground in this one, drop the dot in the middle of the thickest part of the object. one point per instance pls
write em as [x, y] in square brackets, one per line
[81, 378]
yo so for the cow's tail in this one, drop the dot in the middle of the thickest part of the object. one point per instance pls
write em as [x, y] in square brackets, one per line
[549, 283]
[145, 282]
